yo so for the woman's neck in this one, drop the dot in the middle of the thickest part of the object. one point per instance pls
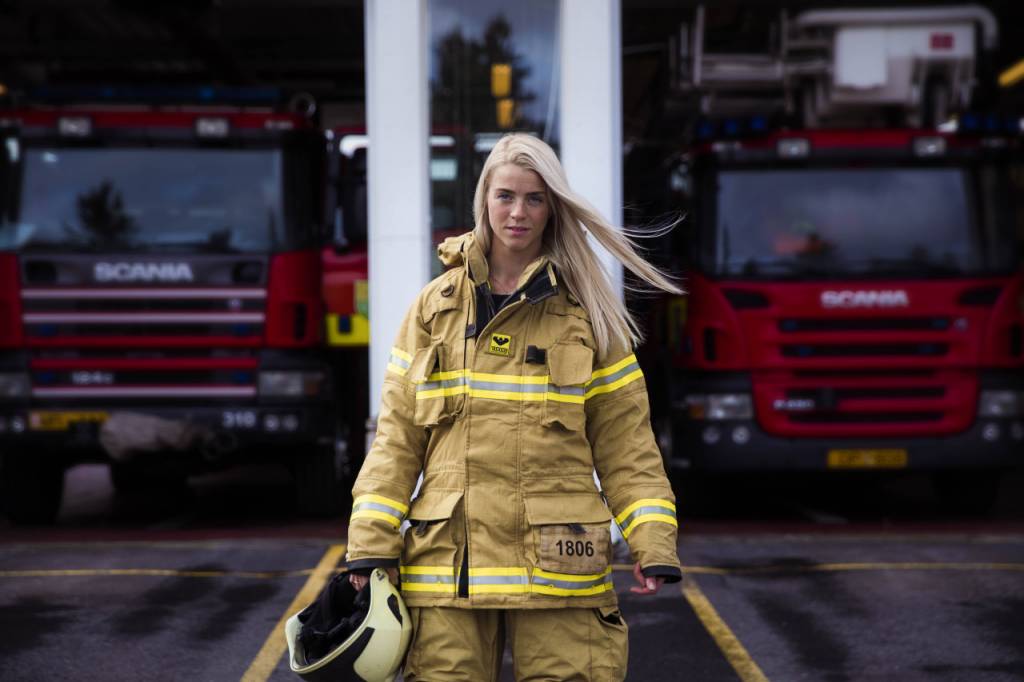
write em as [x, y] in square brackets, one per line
[506, 267]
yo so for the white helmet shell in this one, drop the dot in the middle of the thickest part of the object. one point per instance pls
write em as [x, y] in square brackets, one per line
[372, 653]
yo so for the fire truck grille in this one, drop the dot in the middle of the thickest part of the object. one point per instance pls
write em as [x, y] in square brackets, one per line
[865, 402]
[864, 350]
[864, 324]
[121, 346]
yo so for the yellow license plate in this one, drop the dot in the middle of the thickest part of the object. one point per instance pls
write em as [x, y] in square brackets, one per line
[61, 421]
[867, 459]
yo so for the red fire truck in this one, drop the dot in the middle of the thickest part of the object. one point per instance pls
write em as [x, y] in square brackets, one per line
[160, 296]
[855, 291]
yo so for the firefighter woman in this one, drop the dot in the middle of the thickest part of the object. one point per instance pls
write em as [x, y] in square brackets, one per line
[511, 381]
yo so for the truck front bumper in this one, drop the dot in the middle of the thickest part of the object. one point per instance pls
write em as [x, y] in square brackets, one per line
[210, 432]
[741, 445]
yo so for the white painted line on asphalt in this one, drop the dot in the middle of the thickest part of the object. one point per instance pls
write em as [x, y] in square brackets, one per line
[263, 666]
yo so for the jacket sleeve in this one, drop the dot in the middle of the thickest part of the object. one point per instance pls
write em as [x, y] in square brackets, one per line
[629, 463]
[380, 496]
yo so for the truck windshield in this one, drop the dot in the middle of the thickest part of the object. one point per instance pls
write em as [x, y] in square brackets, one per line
[873, 221]
[150, 199]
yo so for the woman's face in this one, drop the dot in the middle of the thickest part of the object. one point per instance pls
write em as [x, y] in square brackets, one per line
[517, 209]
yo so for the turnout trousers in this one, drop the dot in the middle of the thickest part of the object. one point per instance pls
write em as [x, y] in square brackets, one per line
[578, 644]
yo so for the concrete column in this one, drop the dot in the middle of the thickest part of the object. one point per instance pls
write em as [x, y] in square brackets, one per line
[398, 183]
[591, 101]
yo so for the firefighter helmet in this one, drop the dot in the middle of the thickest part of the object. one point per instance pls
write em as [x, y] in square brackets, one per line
[350, 635]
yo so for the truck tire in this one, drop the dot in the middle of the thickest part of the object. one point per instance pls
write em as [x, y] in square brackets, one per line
[32, 488]
[318, 490]
[967, 493]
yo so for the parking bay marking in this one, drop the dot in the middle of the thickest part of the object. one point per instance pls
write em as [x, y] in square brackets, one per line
[266, 661]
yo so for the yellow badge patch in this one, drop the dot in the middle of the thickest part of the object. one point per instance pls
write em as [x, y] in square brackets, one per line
[501, 344]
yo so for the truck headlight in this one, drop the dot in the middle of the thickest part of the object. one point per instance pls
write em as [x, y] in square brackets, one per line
[14, 385]
[717, 406]
[291, 384]
[1001, 404]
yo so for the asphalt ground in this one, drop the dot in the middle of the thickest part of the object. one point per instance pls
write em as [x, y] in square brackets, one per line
[152, 590]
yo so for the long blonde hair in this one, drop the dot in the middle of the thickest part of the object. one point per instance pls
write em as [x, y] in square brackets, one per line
[565, 240]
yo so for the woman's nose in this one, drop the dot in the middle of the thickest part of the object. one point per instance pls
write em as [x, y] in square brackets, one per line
[518, 207]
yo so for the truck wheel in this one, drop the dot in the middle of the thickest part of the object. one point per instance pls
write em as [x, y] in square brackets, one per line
[317, 482]
[32, 488]
[970, 493]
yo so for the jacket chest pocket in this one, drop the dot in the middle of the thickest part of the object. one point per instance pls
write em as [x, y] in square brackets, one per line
[571, 533]
[570, 366]
[440, 388]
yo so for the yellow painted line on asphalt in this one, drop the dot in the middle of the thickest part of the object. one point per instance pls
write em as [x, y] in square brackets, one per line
[838, 567]
[263, 666]
[731, 647]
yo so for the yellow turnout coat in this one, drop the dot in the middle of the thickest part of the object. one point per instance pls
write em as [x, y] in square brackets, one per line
[507, 415]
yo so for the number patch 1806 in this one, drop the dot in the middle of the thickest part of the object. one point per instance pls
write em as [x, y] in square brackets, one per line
[575, 548]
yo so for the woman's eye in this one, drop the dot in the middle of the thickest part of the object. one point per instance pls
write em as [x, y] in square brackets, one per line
[535, 201]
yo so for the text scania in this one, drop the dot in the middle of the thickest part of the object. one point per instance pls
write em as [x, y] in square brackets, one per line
[847, 298]
[142, 272]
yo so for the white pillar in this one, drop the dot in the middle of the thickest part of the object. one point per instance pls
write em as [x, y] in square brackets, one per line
[591, 101]
[398, 185]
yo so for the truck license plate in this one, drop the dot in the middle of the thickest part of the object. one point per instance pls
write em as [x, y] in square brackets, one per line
[61, 421]
[867, 459]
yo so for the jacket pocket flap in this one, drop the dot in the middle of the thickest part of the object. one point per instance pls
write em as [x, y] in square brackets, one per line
[439, 304]
[566, 508]
[434, 505]
[570, 364]
[424, 362]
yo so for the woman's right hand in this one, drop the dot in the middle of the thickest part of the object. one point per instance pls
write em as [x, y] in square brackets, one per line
[359, 581]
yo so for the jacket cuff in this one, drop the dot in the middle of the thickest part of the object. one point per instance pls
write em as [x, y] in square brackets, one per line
[671, 574]
[367, 565]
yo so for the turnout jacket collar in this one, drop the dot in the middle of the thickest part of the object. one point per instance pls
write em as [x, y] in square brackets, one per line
[507, 425]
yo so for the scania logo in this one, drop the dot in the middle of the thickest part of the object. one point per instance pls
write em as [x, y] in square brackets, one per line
[849, 298]
[142, 272]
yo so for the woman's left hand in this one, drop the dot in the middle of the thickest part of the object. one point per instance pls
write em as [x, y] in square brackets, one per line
[647, 585]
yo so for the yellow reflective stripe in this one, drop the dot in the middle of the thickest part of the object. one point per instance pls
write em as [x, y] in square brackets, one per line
[615, 385]
[446, 376]
[645, 518]
[448, 588]
[401, 353]
[501, 580]
[380, 499]
[395, 369]
[565, 398]
[441, 392]
[612, 369]
[374, 514]
[599, 582]
[428, 579]
[645, 502]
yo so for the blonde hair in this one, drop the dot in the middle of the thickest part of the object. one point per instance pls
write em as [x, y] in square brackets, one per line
[565, 240]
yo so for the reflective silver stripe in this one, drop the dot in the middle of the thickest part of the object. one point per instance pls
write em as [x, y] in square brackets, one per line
[640, 511]
[571, 584]
[565, 390]
[435, 385]
[600, 381]
[507, 387]
[399, 362]
[377, 506]
[498, 580]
